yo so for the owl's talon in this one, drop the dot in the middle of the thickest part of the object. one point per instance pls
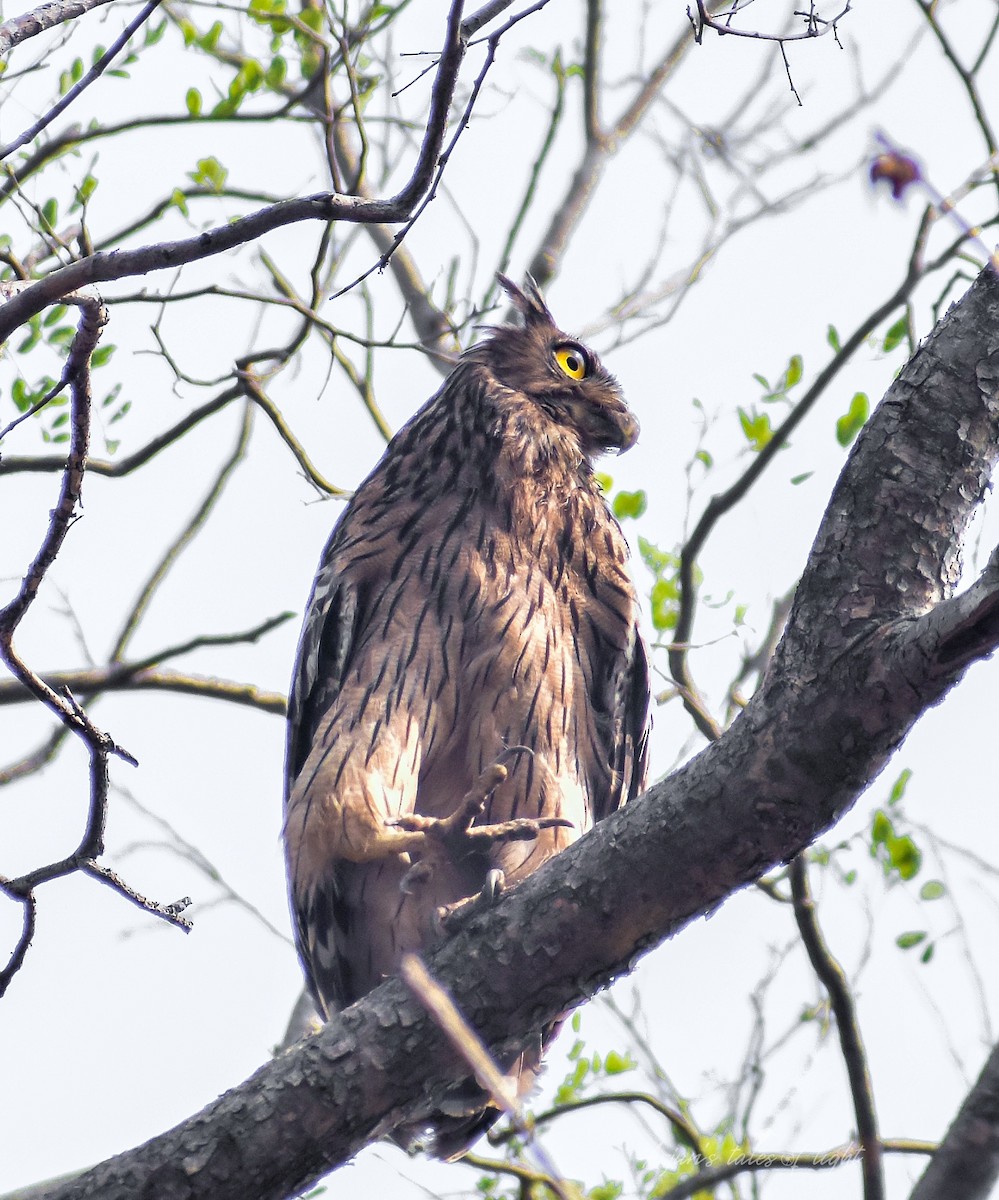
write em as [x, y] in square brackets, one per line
[417, 875]
[451, 917]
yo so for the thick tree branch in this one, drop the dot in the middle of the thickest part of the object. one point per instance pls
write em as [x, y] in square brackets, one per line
[966, 1165]
[843, 690]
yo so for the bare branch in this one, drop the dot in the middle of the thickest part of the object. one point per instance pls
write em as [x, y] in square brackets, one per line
[833, 979]
[46, 16]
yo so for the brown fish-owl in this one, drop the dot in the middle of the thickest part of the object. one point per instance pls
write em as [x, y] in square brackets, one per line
[470, 651]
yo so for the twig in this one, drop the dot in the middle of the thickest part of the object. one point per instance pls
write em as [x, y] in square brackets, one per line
[184, 538]
[94, 73]
[46, 16]
[470, 1046]
[833, 979]
[123, 676]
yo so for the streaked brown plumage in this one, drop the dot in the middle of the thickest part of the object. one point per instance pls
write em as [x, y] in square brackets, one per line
[472, 607]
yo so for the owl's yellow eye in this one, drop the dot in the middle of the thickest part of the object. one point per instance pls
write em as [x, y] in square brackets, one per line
[572, 360]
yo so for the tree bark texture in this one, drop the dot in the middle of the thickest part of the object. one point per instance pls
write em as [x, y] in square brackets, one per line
[873, 639]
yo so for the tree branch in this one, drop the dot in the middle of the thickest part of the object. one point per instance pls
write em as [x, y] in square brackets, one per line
[966, 1165]
[833, 978]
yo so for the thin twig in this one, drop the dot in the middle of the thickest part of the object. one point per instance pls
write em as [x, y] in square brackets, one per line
[95, 72]
[833, 979]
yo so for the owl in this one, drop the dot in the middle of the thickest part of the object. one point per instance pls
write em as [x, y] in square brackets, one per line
[471, 691]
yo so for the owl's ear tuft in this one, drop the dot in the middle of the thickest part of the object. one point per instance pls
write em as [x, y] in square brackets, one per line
[529, 303]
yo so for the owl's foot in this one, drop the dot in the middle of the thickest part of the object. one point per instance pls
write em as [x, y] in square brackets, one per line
[458, 832]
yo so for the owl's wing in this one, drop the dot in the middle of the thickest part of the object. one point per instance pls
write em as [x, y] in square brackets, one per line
[325, 650]
[626, 734]
[324, 653]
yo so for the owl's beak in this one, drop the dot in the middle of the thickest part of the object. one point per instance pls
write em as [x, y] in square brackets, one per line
[629, 432]
[627, 429]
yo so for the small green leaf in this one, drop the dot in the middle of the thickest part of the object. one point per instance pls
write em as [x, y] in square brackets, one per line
[50, 213]
[101, 355]
[897, 334]
[210, 174]
[905, 941]
[899, 786]
[276, 73]
[54, 315]
[927, 954]
[799, 479]
[795, 369]
[210, 40]
[852, 421]
[154, 33]
[630, 504]
[832, 337]
[617, 1064]
[906, 856]
[193, 102]
[665, 604]
[702, 456]
[756, 428]
[179, 200]
[932, 889]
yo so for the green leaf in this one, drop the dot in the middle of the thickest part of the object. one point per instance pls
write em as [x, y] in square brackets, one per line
[756, 428]
[927, 954]
[899, 786]
[154, 33]
[905, 941]
[210, 40]
[50, 213]
[82, 193]
[795, 369]
[179, 200]
[798, 479]
[665, 605]
[896, 853]
[210, 174]
[33, 338]
[617, 1064]
[55, 314]
[832, 337]
[101, 355]
[897, 334]
[906, 857]
[630, 504]
[932, 889]
[193, 102]
[852, 421]
[702, 456]
[276, 73]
